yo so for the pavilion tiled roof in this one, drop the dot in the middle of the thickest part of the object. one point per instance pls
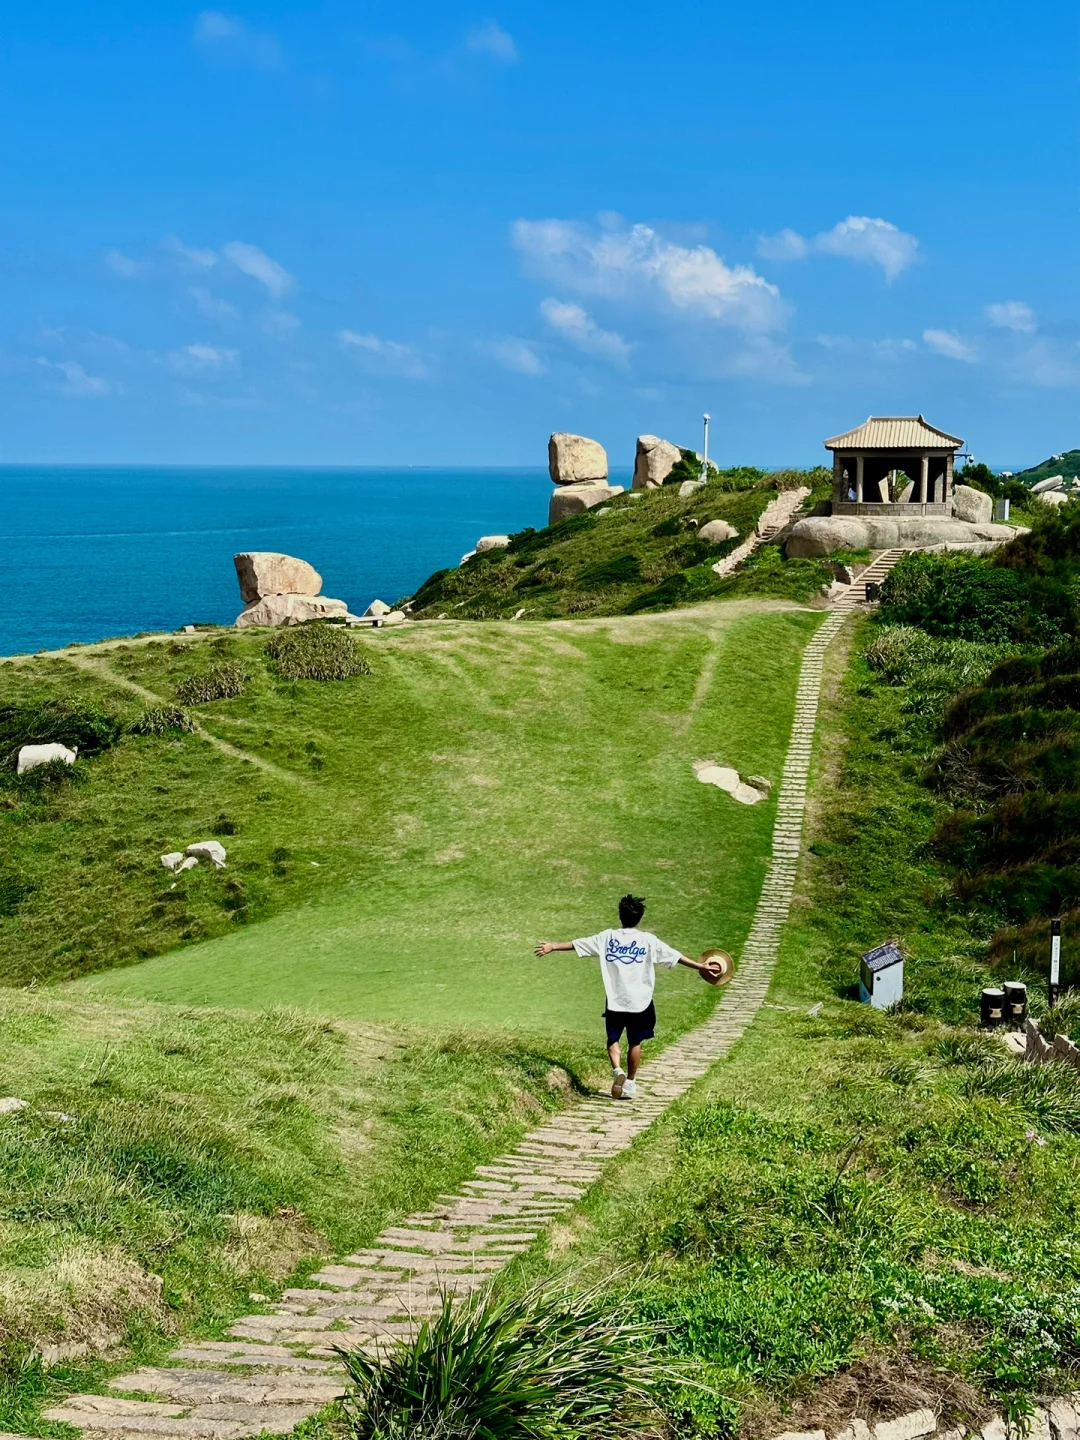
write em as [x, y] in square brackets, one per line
[895, 432]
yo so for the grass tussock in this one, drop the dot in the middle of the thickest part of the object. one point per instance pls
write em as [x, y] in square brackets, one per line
[220, 682]
[317, 652]
[549, 1363]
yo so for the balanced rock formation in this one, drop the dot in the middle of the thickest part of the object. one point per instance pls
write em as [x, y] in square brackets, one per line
[264, 572]
[654, 461]
[974, 506]
[815, 535]
[281, 590]
[572, 499]
[290, 610]
[576, 460]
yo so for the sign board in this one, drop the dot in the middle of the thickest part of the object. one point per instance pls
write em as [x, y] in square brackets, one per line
[881, 976]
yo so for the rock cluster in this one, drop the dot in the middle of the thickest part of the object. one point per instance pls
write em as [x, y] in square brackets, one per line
[654, 461]
[578, 467]
[815, 535]
[281, 590]
[1053, 490]
[180, 860]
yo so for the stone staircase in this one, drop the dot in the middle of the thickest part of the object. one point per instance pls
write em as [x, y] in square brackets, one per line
[280, 1367]
[874, 574]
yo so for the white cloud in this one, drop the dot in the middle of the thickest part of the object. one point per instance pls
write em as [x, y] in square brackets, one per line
[191, 255]
[384, 357]
[637, 263]
[121, 264]
[949, 344]
[77, 383]
[873, 242]
[1052, 366]
[211, 306]
[577, 327]
[1012, 315]
[513, 354]
[491, 39]
[278, 324]
[199, 359]
[226, 38]
[252, 261]
[786, 245]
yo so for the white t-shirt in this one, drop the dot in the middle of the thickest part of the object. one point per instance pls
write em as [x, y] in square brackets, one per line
[628, 961]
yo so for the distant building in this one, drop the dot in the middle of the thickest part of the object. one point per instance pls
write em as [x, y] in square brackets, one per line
[893, 464]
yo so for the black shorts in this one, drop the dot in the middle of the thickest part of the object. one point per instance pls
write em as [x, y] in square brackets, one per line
[639, 1025]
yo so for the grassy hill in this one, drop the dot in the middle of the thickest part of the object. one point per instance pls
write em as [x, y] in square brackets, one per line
[398, 840]
[1066, 464]
[641, 554]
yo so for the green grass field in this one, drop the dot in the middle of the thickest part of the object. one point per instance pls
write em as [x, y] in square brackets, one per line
[485, 789]
[412, 833]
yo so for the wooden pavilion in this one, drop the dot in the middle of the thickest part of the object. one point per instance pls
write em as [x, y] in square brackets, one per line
[893, 463]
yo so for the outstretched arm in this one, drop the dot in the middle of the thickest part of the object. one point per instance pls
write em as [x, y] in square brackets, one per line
[547, 946]
[703, 967]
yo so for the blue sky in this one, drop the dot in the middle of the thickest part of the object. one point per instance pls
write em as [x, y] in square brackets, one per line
[424, 234]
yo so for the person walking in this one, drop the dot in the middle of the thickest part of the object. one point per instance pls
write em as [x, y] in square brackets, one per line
[628, 959]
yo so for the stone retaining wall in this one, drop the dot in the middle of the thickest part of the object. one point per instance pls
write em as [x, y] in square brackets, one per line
[1058, 1420]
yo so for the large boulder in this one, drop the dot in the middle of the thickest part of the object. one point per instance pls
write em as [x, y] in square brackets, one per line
[653, 461]
[815, 535]
[974, 506]
[1052, 482]
[575, 459]
[717, 531]
[1052, 497]
[572, 499]
[491, 542]
[290, 610]
[211, 850]
[264, 572]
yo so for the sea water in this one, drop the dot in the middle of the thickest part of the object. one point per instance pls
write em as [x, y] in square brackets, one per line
[91, 552]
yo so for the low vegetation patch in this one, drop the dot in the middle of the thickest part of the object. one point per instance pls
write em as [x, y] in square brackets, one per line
[221, 682]
[45, 719]
[317, 652]
[162, 720]
[643, 553]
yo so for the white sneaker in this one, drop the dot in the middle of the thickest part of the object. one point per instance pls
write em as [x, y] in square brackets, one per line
[618, 1083]
[629, 1089]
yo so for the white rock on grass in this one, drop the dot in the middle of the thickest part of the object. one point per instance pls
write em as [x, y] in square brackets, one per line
[211, 850]
[173, 860]
[1053, 497]
[377, 608]
[727, 779]
[492, 542]
[10, 1104]
[689, 486]
[717, 531]
[31, 756]
[395, 617]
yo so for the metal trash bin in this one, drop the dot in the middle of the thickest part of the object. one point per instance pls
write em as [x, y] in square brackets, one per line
[992, 1007]
[1016, 1004]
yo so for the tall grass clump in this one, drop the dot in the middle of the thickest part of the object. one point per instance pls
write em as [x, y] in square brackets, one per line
[317, 652]
[162, 720]
[87, 728]
[221, 682]
[547, 1364]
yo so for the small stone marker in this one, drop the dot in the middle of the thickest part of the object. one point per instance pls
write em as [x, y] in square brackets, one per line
[881, 976]
[9, 1104]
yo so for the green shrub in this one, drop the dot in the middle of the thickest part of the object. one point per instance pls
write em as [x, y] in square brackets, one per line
[86, 728]
[1046, 1094]
[966, 597]
[619, 570]
[162, 720]
[221, 682]
[317, 652]
[545, 1364]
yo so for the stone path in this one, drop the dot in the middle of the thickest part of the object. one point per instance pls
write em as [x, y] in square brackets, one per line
[279, 1368]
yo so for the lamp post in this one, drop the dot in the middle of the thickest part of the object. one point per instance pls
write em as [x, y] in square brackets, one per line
[705, 449]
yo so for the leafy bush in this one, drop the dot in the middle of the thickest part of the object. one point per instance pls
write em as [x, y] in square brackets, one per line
[162, 720]
[545, 1364]
[1048, 1094]
[968, 598]
[619, 570]
[317, 652]
[221, 682]
[86, 728]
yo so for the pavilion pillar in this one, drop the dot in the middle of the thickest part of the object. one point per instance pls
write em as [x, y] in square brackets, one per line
[858, 479]
[924, 479]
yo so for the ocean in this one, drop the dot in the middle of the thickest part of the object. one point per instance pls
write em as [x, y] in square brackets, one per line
[93, 552]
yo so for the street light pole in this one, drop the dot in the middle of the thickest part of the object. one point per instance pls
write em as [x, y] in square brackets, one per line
[705, 450]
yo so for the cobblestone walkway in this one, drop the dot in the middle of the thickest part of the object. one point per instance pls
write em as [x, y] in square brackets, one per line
[278, 1369]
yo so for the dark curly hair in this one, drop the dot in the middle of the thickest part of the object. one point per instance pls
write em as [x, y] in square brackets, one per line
[631, 909]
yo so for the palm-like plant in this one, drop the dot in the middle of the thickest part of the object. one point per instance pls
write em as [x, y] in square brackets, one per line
[534, 1366]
